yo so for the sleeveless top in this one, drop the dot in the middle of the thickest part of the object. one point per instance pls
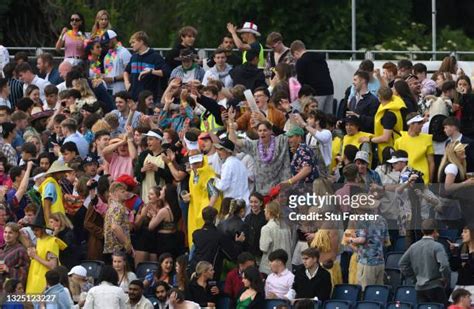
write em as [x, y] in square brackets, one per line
[243, 304]
[167, 225]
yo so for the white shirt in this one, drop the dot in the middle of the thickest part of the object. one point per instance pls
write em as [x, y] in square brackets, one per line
[61, 87]
[234, 180]
[40, 83]
[144, 303]
[213, 74]
[215, 162]
[279, 284]
[324, 139]
[118, 67]
[105, 295]
[5, 102]
[4, 58]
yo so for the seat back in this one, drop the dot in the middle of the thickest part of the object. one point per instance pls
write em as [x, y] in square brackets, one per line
[392, 259]
[93, 268]
[406, 294]
[349, 292]
[337, 304]
[272, 303]
[369, 305]
[378, 293]
[393, 278]
[223, 302]
[144, 268]
[400, 244]
[399, 305]
[430, 306]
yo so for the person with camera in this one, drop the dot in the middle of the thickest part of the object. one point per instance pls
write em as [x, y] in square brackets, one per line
[410, 194]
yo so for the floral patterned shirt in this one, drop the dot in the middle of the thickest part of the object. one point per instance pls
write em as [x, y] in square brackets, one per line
[116, 214]
[304, 156]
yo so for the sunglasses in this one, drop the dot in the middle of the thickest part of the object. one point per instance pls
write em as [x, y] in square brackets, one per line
[76, 19]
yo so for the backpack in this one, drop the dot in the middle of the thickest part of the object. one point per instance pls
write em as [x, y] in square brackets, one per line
[436, 128]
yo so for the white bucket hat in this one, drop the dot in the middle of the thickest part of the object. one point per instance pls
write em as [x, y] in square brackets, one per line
[249, 27]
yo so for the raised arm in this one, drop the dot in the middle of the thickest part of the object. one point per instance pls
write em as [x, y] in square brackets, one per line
[238, 42]
[24, 181]
[231, 129]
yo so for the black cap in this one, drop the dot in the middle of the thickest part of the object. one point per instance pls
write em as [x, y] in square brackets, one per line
[225, 144]
[90, 158]
[352, 119]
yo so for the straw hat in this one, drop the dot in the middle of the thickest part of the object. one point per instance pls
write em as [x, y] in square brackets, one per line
[57, 167]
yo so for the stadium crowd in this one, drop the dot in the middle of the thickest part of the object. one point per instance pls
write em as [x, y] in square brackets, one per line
[132, 180]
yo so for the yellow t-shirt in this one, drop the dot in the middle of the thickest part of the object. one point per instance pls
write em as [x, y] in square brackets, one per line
[336, 149]
[418, 148]
[354, 139]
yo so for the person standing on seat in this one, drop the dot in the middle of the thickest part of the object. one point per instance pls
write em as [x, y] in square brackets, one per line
[427, 261]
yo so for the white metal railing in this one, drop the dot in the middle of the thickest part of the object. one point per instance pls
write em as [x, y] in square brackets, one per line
[330, 53]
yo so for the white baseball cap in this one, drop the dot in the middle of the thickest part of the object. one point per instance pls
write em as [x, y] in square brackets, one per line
[417, 118]
[78, 270]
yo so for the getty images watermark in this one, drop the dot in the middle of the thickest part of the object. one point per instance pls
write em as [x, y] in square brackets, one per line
[358, 207]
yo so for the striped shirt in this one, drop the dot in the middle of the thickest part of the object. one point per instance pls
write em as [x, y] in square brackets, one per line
[16, 91]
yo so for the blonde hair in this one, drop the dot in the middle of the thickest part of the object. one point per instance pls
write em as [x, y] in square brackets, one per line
[450, 157]
[84, 88]
[201, 268]
[62, 219]
[306, 102]
[29, 135]
[96, 27]
[101, 125]
[274, 210]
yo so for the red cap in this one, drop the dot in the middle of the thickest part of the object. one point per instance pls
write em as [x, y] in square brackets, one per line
[272, 194]
[127, 180]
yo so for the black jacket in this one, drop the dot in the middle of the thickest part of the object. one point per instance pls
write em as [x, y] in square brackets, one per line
[255, 223]
[249, 76]
[200, 295]
[366, 108]
[467, 117]
[212, 245]
[312, 69]
[319, 285]
[232, 226]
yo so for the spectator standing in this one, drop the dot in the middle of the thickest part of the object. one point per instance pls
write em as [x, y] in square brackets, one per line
[107, 294]
[73, 40]
[249, 33]
[62, 298]
[187, 35]
[51, 192]
[115, 61]
[370, 239]
[427, 262]
[312, 69]
[279, 53]
[419, 146]
[255, 220]
[363, 104]
[248, 74]
[145, 69]
[116, 221]
[233, 180]
[275, 235]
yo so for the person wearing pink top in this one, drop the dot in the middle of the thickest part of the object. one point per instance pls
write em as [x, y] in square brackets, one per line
[120, 154]
[73, 40]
